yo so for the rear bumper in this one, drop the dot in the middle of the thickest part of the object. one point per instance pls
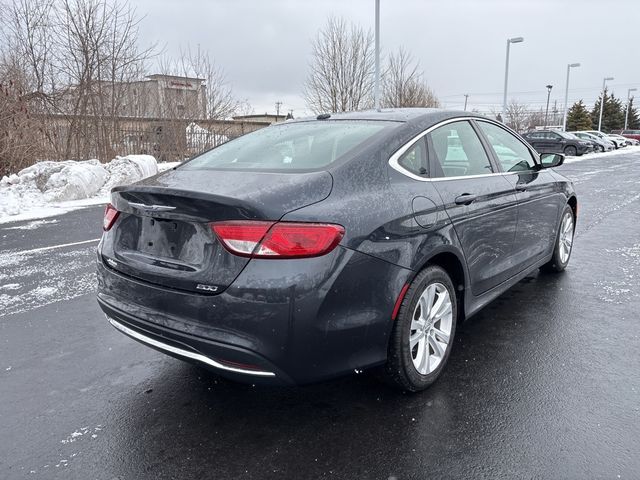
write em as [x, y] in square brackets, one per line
[292, 321]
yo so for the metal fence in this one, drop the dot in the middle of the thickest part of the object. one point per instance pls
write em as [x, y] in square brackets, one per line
[77, 138]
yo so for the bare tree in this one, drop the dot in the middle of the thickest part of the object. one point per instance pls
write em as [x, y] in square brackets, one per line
[96, 54]
[341, 72]
[517, 116]
[403, 84]
[217, 101]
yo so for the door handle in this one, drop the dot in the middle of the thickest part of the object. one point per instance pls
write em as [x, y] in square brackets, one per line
[465, 199]
[521, 187]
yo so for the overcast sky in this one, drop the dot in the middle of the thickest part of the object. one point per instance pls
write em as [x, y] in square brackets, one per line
[264, 45]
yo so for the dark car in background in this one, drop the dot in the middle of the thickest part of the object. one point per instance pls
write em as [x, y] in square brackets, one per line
[319, 247]
[552, 141]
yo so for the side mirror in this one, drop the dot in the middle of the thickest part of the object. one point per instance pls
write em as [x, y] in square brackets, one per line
[551, 160]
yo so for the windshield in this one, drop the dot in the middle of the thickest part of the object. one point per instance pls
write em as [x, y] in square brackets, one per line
[292, 146]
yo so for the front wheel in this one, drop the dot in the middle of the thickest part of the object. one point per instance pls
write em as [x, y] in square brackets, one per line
[423, 334]
[570, 151]
[601, 148]
[564, 243]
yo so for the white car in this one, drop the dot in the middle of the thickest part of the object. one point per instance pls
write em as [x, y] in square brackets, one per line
[628, 141]
[616, 142]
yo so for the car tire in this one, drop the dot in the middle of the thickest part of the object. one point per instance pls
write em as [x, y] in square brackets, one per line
[570, 151]
[420, 344]
[601, 149]
[563, 244]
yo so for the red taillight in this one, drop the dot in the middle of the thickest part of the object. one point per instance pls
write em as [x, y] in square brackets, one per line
[278, 240]
[110, 216]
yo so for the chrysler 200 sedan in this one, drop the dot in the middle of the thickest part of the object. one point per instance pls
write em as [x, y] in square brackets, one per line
[313, 248]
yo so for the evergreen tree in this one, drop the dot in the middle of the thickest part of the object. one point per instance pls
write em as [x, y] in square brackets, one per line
[578, 117]
[612, 115]
[634, 118]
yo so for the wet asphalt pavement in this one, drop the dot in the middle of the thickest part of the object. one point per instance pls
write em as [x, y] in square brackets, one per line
[543, 383]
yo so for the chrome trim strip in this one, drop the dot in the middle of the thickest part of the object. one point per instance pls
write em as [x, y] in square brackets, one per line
[152, 208]
[393, 160]
[185, 353]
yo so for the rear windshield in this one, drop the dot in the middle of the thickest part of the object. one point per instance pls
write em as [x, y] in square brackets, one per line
[293, 146]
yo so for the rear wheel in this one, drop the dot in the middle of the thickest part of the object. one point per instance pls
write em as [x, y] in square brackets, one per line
[423, 333]
[564, 243]
[570, 151]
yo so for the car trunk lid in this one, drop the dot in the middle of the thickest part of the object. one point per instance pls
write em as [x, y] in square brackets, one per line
[163, 233]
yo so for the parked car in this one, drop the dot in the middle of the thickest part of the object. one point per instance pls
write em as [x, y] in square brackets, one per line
[363, 246]
[616, 142]
[627, 141]
[634, 134]
[551, 141]
[622, 141]
[601, 144]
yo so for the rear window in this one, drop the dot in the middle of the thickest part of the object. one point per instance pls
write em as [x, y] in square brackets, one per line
[293, 146]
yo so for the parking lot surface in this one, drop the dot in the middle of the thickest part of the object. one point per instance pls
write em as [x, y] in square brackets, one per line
[543, 383]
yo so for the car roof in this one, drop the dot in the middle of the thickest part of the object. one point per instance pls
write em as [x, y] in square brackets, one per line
[409, 115]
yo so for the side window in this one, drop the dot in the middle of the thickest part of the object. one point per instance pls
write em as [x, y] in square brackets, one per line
[458, 151]
[513, 155]
[554, 136]
[415, 159]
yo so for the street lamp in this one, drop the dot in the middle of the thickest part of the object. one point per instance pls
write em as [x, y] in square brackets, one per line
[506, 74]
[566, 96]
[546, 113]
[376, 90]
[466, 97]
[626, 114]
[602, 100]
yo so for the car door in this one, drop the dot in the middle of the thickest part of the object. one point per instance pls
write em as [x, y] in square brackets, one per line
[481, 204]
[540, 200]
[537, 140]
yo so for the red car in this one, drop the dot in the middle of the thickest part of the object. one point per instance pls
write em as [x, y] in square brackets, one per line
[635, 134]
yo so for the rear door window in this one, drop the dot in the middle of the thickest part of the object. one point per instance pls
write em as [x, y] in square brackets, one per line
[458, 152]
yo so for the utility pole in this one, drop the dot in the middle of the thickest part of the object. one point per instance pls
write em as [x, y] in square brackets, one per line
[278, 109]
[602, 100]
[546, 113]
[506, 73]
[376, 89]
[466, 97]
[566, 96]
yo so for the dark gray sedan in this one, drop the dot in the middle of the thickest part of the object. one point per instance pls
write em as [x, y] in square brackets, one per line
[319, 247]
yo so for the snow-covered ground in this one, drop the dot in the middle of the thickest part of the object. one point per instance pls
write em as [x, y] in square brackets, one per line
[50, 188]
[603, 155]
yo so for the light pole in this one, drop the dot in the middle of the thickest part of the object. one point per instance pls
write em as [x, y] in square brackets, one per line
[546, 113]
[376, 90]
[566, 96]
[506, 74]
[466, 97]
[626, 114]
[602, 100]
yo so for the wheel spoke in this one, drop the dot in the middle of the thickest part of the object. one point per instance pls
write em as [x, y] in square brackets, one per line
[437, 348]
[423, 354]
[442, 297]
[418, 324]
[426, 301]
[439, 334]
[415, 338]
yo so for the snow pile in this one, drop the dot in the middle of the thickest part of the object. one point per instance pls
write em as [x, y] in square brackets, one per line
[52, 184]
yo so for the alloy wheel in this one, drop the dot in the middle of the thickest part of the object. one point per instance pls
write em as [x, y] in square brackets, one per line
[565, 239]
[431, 326]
